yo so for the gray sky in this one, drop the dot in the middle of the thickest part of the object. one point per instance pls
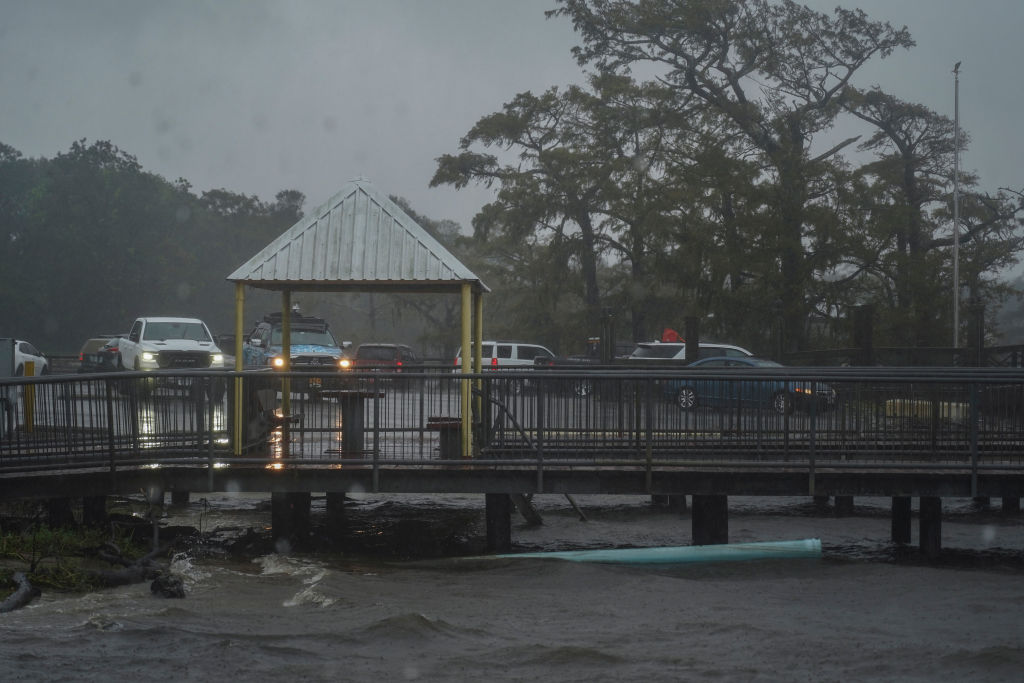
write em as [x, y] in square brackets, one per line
[256, 96]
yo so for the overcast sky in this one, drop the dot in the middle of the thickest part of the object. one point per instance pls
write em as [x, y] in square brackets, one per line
[256, 96]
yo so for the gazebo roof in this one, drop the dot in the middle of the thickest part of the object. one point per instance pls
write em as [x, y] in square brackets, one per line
[359, 240]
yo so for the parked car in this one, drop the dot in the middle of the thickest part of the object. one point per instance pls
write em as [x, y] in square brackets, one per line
[99, 354]
[388, 357]
[781, 395]
[676, 351]
[508, 355]
[25, 352]
[313, 349]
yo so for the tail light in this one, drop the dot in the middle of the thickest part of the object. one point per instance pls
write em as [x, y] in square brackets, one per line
[494, 362]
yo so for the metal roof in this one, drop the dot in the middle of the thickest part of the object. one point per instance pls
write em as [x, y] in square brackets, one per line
[359, 240]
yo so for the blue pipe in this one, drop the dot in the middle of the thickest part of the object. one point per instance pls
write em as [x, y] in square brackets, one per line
[729, 552]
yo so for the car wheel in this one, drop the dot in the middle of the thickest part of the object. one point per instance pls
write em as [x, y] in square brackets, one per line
[686, 398]
[19, 371]
[120, 362]
[217, 389]
[582, 388]
[782, 403]
[144, 387]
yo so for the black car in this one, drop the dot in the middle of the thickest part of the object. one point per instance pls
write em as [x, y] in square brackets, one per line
[99, 354]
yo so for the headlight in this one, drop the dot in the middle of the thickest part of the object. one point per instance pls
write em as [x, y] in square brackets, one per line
[218, 359]
[344, 363]
[148, 356]
[277, 361]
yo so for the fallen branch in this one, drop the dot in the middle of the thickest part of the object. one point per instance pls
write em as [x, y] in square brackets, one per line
[133, 571]
[24, 594]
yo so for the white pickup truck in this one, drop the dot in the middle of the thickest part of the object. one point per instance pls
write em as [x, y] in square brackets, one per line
[169, 344]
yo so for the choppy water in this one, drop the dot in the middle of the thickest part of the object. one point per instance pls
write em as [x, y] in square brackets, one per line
[401, 607]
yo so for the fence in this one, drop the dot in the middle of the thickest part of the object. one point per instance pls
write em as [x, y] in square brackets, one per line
[838, 417]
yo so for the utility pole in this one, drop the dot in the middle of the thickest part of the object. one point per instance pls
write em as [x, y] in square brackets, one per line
[956, 205]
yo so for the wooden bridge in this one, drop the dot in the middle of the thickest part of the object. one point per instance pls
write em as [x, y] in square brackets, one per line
[895, 432]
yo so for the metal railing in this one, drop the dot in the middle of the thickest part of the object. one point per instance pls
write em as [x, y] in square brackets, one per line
[924, 418]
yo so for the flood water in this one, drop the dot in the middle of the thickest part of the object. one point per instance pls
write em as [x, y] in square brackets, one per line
[407, 602]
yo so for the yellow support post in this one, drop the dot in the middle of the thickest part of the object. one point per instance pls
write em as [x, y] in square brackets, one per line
[239, 361]
[478, 334]
[286, 357]
[467, 319]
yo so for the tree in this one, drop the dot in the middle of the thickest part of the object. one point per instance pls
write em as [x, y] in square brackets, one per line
[582, 189]
[905, 199]
[775, 72]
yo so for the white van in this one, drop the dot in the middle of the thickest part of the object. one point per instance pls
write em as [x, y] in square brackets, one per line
[507, 354]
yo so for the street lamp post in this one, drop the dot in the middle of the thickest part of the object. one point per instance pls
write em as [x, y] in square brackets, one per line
[956, 204]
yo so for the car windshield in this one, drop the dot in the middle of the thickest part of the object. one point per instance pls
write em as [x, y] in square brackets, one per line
[386, 353]
[762, 363]
[487, 350]
[656, 350]
[158, 331]
[310, 337]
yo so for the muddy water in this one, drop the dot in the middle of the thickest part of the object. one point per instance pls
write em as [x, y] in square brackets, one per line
[403, 602]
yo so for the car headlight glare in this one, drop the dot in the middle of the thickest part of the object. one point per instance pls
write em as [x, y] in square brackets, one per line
[218, 359]
[277, 361]
[148, 356]
[344, 363]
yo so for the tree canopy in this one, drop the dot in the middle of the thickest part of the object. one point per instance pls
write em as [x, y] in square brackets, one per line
[699, 173]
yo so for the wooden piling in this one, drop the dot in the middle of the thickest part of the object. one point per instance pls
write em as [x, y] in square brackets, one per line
[901, 519]
[499, 522]
[931, 526]
[710, 519]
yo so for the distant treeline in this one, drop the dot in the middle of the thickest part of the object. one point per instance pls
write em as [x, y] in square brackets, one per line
[89, 241]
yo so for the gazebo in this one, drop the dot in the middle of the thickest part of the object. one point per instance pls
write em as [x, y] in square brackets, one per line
[359, 241]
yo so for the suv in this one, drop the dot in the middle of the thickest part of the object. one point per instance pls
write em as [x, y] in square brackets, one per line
[383, 357]
[676, 351]
[99, 354]
[313, 347]
[508, 354]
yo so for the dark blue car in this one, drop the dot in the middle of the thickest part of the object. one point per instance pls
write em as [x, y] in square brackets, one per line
[781, 395]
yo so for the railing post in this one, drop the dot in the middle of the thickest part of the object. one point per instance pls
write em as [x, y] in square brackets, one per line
[649, 434]
[539, 418]
[974, 417]
[110, 423]
[376, 439]
[812, 454]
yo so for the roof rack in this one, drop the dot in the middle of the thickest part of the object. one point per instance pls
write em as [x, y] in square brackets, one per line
[296, 319]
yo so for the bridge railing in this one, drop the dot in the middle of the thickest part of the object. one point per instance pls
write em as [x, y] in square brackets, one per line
[784, 417]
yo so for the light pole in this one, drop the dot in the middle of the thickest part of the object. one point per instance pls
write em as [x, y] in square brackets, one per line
[956, 204]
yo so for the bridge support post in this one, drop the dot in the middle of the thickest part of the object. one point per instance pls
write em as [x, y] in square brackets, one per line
[931, 526]
[59, 514]
[677, 502]
[901, 519]
[1011, 505]
[710, 519]
[289, 516]
[94, 511]
[335, 514]
[844, 506]
[499, 522]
